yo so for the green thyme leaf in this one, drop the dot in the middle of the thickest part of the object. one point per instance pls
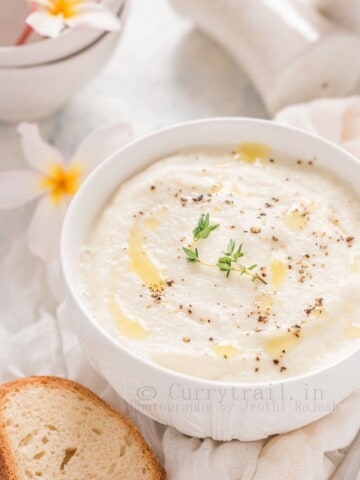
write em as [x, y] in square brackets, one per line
[203, 227]
[230, 251]
[224, 264]
[229, 261]
[239, 253]
[191, 255]
[230, 248]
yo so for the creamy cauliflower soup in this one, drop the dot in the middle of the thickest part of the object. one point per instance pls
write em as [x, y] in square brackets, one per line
[231, 264]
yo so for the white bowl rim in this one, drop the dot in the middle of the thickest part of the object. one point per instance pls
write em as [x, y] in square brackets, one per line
[68, 58]
[102, 331]
[30, 46]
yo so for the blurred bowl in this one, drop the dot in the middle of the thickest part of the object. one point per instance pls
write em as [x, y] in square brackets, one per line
[30, 93]
[346, 13]
[41, 50]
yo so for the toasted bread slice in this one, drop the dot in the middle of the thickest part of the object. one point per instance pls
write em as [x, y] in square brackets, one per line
[52, 428]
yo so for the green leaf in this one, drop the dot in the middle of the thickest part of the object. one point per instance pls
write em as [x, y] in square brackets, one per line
[230, 248]
[203, 227]
[191, 255]
[239, 253]
[198, 227]
[224, 264]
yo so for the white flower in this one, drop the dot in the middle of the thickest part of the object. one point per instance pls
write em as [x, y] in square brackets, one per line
[50, 17]
[54, 180]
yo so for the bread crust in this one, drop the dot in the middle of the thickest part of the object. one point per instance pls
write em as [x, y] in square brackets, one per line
[8, 468]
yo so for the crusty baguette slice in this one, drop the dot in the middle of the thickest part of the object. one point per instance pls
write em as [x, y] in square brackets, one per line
[52, 428]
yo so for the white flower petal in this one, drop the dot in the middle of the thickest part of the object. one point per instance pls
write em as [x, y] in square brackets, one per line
[55, 280]
[45, 3]
[46, 24]
[18, 187]
[45, 228]
[90, 15]
[80, 6]
[39, 154]
[100, 144]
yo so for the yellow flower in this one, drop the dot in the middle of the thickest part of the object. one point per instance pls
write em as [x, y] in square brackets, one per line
[61, 181]
[55, 180]
[64, 7]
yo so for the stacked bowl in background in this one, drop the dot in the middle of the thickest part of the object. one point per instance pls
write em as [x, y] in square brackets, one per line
[37, 78]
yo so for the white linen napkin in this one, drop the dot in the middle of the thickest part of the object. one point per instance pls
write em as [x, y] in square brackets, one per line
[36, 337]
[291, 52]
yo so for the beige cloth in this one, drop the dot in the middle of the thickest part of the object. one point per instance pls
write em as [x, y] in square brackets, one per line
[36, 337]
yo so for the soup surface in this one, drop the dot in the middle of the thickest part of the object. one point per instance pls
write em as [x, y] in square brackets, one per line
[231, 264]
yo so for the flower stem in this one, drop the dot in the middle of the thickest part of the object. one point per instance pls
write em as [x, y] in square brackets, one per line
[27, 30]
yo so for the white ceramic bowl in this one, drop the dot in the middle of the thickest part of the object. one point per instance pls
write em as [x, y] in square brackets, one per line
[30, 93]
[196, 406]
[39, 51]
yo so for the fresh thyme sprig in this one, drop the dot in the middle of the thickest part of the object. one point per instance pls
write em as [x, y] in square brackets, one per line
[227, 263]
[203, 228]
[200, 232]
